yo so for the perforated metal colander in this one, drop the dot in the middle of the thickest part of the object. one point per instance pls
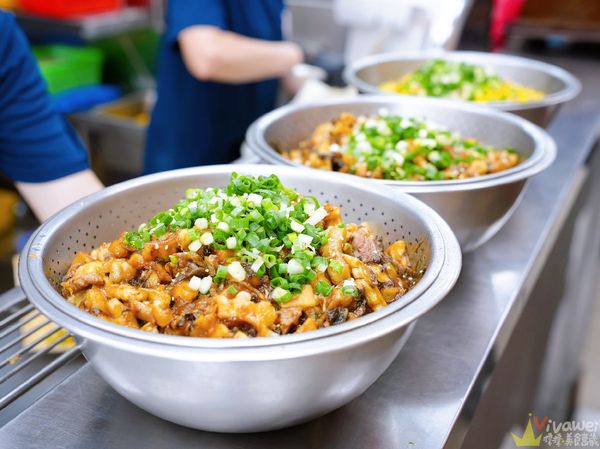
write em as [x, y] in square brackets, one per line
[476, 207]
[559, 86]
[240, 385]
[102, 217]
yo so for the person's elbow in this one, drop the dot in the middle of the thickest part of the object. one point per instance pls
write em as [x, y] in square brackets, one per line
[202, 53]
[208, 67]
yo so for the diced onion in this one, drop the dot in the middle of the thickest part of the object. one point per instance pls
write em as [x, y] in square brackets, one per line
[195, 246]
[257, 264]
[317, 216]
[206, 238]
[201, 223]
[296, 227]
[255, 198]
[279, 292]
[295, 267]
[349, 283]
[223, 226]
[236, 271]
[231, 242]
[309, 208]
[305, 239]
[195, 283]
[205, 284]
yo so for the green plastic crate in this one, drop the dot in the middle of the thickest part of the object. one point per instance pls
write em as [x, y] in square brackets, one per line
[64, 67]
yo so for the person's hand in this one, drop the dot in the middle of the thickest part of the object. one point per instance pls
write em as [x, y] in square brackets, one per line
[299, 75]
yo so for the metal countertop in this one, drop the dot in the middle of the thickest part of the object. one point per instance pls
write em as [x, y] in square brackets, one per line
[420, 401]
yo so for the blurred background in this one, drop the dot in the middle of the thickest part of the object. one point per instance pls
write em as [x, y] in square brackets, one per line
[99, 59]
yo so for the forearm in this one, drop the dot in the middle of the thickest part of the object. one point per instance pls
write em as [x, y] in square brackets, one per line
[215, 55]
[47, 198]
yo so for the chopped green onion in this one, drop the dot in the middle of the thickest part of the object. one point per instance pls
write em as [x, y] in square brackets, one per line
[336, 266]
[221, 273]
[323, 288]
[281, 295]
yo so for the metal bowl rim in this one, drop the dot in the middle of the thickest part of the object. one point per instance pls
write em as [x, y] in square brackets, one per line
[445, 265]
[572, 86]
[542, 156]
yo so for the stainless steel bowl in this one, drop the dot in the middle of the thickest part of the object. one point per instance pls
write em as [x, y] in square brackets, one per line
[559, 86]
[240, 385]
[475, 208]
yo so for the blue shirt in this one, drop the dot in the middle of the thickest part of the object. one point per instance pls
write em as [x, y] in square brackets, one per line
[196, 122]
[36, 144]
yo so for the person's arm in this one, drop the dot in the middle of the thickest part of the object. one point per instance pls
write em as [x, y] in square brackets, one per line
[39, 151]
[212, 54]
[47, 198]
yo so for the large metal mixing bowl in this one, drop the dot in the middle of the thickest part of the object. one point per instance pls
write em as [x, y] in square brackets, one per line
[475, 208]
[559, 86]
[240, 385]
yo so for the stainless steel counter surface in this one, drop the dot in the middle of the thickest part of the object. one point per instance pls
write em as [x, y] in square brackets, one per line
[421, 401]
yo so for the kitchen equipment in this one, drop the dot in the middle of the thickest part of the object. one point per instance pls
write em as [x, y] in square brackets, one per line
[559, 86]
[66, 9]
[475, 208]
[64, 67]
[115, 134]
[239, 385]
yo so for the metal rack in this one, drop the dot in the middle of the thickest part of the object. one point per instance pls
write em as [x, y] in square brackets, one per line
[93, 27]
[23, 363]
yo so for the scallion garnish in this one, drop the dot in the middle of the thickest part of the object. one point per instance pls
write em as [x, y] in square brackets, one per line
[257, 217]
